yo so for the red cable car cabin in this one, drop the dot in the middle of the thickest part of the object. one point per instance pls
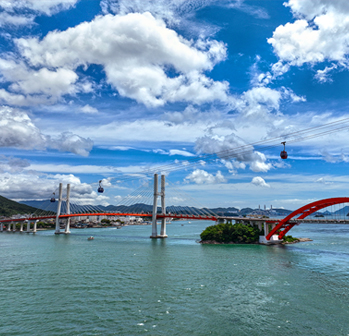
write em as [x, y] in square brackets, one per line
[283, 153]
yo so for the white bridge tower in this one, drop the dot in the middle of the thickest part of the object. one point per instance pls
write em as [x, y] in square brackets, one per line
[154, 233]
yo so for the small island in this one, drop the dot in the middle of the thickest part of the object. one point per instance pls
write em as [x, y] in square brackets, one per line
[227, 233]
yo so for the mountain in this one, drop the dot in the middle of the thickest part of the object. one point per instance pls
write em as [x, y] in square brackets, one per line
[9, 207]
[140, 207]
[43, 205]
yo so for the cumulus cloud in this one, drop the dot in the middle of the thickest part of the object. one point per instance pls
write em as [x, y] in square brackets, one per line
[17, 130]
[136, 51]
[320, 33]
[259, 181]
[233, 148]
[200, 176]
[260, 101]
[29, 87]
[35, 186]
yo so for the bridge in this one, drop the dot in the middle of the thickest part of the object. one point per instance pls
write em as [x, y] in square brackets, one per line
[274, 229]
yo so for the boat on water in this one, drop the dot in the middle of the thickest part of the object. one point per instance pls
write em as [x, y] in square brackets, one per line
[90, 238]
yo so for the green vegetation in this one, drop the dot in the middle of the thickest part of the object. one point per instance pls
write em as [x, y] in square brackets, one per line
[229, 233]
[105, 222]
[290, 239]
[9, 208]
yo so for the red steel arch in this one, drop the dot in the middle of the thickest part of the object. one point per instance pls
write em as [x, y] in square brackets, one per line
[305, 211]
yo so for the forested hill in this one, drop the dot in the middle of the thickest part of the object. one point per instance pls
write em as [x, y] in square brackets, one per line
[9, 208]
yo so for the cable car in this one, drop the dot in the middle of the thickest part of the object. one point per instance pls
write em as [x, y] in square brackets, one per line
[100, 189]
[52, 200]
[283, 153]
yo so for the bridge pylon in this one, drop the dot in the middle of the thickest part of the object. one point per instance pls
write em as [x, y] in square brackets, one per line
[154, 233]
[59, 206]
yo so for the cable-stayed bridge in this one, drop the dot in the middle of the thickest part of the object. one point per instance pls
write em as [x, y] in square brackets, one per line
[143, 203]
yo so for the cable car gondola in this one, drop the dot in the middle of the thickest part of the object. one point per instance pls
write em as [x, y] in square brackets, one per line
[100, 189]
[283, 153]
[52, 200]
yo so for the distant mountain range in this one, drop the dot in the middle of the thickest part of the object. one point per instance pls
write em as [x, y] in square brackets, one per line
[9, 207]
[231, 211]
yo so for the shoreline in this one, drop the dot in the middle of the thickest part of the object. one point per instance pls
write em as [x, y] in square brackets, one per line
[213, 242]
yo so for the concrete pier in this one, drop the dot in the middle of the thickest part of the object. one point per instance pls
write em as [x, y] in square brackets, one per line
[163, 207]
[58, 229]
[35, 225]
[154, 227]
[67, 223]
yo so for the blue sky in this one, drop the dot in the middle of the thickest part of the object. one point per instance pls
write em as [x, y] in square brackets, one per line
[111, 90]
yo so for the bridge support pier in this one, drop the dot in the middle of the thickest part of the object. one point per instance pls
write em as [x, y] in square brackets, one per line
[35, 226]
[1, 227]
[154, 225]
[58, 228]
[9, 227]
[274, 239]
[21, 228]
[28, 226]
[154, 233]
[14, 227]
[163, 208]
[67, 223]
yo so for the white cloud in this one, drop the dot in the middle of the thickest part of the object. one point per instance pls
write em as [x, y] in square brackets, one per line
[135, 50]
[180, 152]
[47, 7]
[70, 142]
[17, 130]
[231, 147]
[260, 182]
[143, 130]
[256, 11]
[15, 20]
[323, 75]
[33, 185]
[190, 115]
[200, 176]
[88, 109]
[320, 33]
[175, 11]
[37, 86]
[322, 180]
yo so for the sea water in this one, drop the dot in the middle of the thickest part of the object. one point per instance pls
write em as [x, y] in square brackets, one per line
[123, 283]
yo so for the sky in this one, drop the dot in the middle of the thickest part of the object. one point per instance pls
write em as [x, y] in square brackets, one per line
[117, 90]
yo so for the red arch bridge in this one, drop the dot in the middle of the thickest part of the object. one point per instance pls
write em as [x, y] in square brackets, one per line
[274, 229]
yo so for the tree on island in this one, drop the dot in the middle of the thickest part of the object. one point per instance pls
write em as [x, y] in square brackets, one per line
[231, 233]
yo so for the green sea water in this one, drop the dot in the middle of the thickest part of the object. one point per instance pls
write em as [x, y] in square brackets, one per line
[123, 283]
